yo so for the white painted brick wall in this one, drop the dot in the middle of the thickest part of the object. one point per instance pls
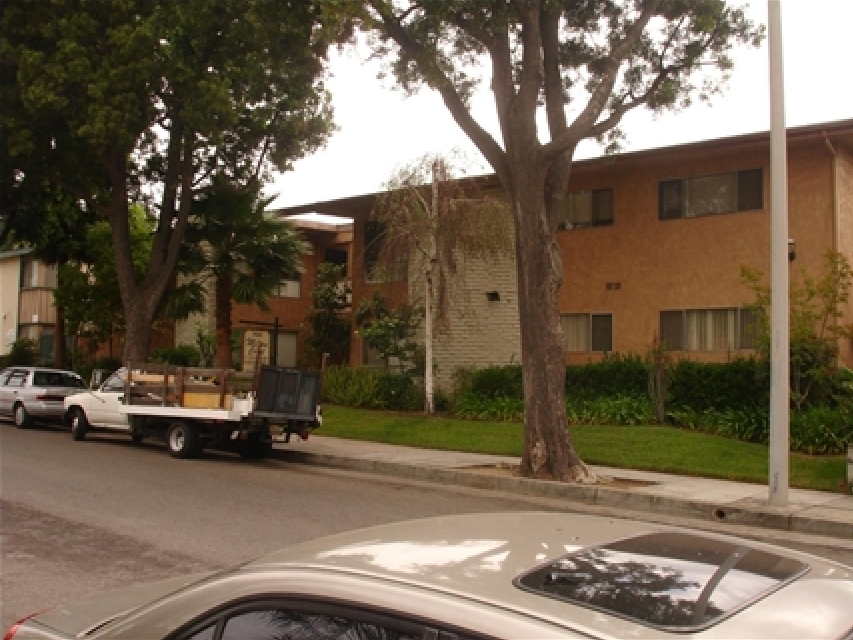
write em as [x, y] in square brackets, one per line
[479, 332]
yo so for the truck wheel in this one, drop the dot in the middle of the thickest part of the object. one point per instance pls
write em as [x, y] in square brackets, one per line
[182, 440]
[79, 424]
[22, 418]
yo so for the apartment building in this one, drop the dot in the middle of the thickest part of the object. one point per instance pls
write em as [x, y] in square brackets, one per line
[277, 336]
[26, 301]
[653, 243]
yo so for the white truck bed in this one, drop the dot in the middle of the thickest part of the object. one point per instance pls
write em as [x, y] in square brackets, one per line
[239, 410]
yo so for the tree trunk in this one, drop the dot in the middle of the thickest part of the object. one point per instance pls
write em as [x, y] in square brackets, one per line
[223, 320]
[60, 351]
[548, 451]
[137, 333]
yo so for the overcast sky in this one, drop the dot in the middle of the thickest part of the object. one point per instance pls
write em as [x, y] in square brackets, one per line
[380, 129]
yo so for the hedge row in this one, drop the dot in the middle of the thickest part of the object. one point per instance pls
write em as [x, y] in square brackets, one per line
[738, 384]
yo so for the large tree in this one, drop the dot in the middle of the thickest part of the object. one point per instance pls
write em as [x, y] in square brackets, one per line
[585, 64]
[122, 100]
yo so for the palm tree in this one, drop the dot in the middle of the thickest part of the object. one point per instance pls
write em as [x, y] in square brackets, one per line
[244, 250]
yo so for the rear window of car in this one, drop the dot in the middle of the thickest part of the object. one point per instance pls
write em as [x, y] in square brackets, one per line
[676, 582]
[57, 379]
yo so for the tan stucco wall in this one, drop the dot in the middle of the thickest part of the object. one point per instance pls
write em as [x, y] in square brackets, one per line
[685, 263]
[10, 278]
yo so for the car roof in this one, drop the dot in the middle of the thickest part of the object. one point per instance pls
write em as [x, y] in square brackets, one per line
[39, 369]
[479, 556]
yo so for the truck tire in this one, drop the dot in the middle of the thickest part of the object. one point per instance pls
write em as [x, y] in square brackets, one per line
[20, 415]
[79, 423]
[182, 440]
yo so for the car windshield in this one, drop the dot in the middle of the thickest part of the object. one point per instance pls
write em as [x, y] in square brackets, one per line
[57, 379]
[115, 382]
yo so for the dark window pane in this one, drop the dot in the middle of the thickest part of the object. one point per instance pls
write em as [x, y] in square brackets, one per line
[338, 257]
[671, 200]
[672, 330]
[602, 332]
[750, 190]
[602, 207]
[747, 329]
[295, 625]
[204, 634]
[373, 231]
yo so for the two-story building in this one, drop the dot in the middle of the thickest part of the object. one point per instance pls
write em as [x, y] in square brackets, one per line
[26, 301]
[653, 243]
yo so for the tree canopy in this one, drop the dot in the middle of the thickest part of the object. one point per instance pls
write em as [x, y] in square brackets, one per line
[146, 100]
[582, 64]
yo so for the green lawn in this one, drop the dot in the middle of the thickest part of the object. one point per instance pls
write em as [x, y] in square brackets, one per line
[651, 448]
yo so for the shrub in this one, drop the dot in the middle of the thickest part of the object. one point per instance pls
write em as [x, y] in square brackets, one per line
[472, 407]
[619, 410]
[701, 386]
[494, 382]
[183, 355]
[821, 430]
[370, 388]
[615, 375]
[23, 352]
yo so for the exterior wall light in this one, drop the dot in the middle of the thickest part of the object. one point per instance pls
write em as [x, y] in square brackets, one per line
[792, 250]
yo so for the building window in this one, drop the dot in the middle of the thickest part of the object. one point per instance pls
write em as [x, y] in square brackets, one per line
[289, 287]
[587, 332]
[587, 209]
[41, 334]
[29, 274]
[337, 257]
[709, 195]
[374, 272]
[708, 329]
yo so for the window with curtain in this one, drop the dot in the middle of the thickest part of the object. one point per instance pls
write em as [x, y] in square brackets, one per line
[587, 332]
[587, 209]
[713, 194]
[727, 329]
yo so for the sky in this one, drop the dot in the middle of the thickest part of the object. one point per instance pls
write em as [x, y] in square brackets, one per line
[379, 129]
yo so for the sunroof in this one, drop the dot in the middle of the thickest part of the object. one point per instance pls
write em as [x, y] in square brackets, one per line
[672, 581]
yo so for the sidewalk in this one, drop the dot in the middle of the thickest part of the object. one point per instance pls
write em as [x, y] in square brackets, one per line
[809, 512]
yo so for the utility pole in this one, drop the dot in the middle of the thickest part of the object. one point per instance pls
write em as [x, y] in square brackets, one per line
[779, 319]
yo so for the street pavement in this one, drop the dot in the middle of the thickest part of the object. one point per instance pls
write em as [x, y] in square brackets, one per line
[719, 501]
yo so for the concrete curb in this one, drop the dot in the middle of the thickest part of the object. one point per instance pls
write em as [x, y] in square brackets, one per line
[602, 496]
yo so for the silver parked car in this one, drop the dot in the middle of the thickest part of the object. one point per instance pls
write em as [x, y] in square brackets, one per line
[36, 393]
[511, 575]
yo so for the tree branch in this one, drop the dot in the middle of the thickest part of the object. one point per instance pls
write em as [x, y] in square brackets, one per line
[554, 96]
[531, 74]
[579, 129]
[490, 149]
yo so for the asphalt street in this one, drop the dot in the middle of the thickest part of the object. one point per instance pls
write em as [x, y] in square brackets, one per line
[84, 517]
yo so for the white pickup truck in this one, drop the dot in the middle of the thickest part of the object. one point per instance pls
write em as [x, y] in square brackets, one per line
[195, 408]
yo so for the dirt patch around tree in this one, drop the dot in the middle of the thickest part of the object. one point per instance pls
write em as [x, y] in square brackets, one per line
[512, 471]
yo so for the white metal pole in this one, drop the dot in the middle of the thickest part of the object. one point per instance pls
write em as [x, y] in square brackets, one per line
[779, 318]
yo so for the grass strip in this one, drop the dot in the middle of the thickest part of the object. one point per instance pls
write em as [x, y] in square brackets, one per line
[649, 448]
